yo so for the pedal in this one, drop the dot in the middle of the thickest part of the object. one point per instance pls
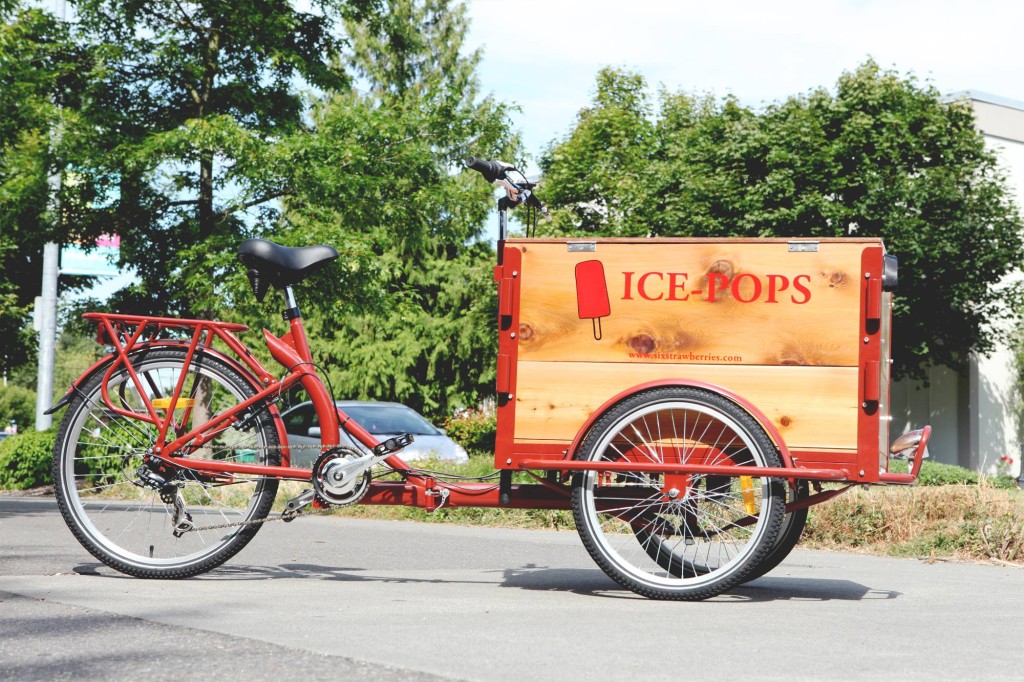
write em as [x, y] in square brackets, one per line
[393, 445]
[295, 505]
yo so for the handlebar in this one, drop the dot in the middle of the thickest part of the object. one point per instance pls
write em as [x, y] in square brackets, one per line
[518, 191]
[491, 170]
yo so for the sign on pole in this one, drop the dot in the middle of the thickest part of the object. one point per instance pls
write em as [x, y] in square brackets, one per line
[100, 260]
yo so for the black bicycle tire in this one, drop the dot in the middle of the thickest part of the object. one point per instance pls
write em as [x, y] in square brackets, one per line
[67, 503]
[773, 510]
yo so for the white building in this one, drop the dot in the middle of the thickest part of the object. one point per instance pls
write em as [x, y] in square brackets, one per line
[975, 416]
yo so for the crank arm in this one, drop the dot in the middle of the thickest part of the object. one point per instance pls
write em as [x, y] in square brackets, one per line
[353, 469]
[297, 503]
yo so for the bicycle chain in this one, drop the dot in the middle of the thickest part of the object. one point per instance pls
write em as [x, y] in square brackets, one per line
[269, 518]
[265, 519]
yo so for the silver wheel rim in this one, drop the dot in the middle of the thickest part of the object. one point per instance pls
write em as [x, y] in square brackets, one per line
[711, 547]
[138, 531]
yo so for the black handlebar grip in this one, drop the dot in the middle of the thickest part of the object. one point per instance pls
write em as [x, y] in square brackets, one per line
[491, 170]
[476, 164]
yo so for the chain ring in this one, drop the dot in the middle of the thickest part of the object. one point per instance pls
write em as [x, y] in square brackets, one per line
[324, 495]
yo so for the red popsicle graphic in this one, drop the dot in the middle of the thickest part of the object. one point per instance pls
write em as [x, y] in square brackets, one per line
[592, 294]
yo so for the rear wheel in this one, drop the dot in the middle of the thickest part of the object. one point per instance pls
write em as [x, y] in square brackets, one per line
[675, 536]
[155, 523]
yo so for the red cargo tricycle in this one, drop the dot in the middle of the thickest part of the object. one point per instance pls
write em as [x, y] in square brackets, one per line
[687, 398]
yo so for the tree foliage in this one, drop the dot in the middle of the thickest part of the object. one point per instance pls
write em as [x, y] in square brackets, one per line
[411, 313]
[190, 100]
[196, 124]
[407, 312]
[879, 156]
[157, 115]
[39, 75]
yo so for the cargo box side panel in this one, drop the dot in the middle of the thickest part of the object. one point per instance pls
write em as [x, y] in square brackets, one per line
[814, 408]
[717, 303]
[776, 325]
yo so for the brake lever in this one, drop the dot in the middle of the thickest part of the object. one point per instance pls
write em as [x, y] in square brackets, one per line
[511, 190]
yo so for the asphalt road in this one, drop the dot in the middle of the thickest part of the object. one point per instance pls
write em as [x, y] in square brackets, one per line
[370, 600]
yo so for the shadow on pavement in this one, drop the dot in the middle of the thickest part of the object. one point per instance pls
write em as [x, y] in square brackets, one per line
[807, 589]
[590, 582]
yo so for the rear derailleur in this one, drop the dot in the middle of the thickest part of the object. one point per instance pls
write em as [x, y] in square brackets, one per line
[170, 494]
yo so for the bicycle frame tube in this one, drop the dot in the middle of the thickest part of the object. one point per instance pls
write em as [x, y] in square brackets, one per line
[292, 351]
[116, 330]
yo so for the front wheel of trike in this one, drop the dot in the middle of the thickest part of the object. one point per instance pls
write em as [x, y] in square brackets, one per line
[151, 522]
[678, 536]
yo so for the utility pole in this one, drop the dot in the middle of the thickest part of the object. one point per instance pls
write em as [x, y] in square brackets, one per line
[48, 305]
[48, 332]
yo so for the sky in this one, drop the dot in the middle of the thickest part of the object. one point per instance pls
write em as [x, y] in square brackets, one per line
[544, 54]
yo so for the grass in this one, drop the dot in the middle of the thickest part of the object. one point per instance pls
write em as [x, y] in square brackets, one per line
[970, 522]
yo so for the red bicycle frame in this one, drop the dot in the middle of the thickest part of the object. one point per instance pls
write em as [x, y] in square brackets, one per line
[130, 334]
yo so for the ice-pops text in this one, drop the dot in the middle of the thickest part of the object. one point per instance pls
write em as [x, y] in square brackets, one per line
[744, 288]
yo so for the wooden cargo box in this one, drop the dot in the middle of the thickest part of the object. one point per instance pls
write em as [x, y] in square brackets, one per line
[795, 329]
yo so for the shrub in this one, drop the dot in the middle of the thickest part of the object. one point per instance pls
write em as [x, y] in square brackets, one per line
[19, 404]
[25, 459]
[967, 521]
[473, 429]
[937, 473]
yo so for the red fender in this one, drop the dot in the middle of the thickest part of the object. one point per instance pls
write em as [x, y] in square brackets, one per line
[742, 403]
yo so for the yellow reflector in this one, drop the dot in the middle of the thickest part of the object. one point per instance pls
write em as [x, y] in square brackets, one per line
[747, 487]
[181, 404]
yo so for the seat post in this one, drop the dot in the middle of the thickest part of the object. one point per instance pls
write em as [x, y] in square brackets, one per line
[297, 335]
[291, 310]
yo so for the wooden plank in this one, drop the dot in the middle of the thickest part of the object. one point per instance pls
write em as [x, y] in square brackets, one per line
[749, 303]
[813, 408]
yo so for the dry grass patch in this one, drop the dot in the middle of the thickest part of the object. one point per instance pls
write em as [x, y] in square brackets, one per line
[956, 521]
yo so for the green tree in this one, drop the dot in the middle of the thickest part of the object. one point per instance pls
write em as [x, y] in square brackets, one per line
[40, 82]
[597, 176]
[191, 99]
[192, 132]
[410, 311]
[164, 113]
[880, 156]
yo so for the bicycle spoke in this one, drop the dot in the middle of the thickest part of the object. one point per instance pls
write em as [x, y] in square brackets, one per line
[684, 536]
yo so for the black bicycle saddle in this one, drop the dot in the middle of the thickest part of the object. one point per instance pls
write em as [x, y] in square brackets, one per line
[272, 265]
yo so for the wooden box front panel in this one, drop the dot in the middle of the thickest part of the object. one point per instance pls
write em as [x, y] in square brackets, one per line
[774, 323]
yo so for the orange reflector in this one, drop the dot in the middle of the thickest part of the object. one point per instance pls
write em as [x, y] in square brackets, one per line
[180, 404]
[747, 488]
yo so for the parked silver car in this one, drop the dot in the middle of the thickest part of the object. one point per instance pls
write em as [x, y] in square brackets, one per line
[383, 420]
